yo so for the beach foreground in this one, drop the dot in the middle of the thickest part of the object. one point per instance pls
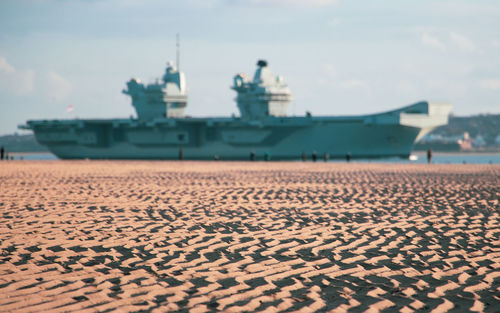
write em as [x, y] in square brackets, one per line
[210, 236]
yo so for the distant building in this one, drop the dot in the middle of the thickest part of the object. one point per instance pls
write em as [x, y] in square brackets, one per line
[439, 142]
[465, 142]
[479, 142]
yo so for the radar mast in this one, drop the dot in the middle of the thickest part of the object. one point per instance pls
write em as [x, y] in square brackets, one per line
[178, 55]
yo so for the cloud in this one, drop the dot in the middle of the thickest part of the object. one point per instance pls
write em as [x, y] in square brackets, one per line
[462, 42]
[466, 9]
[406, 86]
[5, 66]
[308, 3]
[286, 3]
[22, 82]
[15, 80]
[58, 88]
[354, 83]
[334, 22]
[432, 41]
[329, 70]
[214, 3]
[493, 84]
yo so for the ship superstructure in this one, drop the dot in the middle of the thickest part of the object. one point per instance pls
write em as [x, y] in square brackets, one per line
[165, 99]
[263, 131]
[266, 95]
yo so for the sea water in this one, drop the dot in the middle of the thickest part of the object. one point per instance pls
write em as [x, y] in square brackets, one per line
[417, 158]
[444, 158]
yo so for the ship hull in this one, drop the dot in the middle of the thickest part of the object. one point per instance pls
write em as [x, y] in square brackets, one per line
[389, 134]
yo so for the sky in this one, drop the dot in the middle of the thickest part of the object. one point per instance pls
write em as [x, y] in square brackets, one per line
[338, 57]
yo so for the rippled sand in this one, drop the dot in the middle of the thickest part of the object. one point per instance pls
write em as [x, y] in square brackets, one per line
[204, 236]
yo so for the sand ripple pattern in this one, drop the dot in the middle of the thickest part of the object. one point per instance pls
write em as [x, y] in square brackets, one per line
[259, 237]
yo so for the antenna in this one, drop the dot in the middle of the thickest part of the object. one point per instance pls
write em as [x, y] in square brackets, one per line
[178, 58]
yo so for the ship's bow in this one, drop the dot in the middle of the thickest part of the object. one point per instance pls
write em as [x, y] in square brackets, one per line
[426, 116]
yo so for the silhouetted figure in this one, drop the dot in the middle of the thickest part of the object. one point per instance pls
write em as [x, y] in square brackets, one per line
[2, 152]
[267, 156]
[304, 157]
[252, 156]
[181, 154]
[429, 156]
[326, 157]
[348, 157]
[216, 157]
[314, 156]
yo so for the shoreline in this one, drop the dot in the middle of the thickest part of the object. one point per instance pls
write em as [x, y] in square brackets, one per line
[492, 152]
[438, 158]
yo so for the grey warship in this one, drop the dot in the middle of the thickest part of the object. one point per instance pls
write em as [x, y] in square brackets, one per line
[262, 131]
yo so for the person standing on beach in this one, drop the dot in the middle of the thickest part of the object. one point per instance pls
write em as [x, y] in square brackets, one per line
[348, 157]
[429, 156]
[2, 152]
[181, 154]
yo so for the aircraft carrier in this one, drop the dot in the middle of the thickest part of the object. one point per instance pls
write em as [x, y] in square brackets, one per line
[263, 131]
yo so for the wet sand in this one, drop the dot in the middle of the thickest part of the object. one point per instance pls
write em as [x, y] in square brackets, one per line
[215, 236]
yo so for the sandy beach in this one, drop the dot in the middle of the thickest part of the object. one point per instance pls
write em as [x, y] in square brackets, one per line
[96, 236]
